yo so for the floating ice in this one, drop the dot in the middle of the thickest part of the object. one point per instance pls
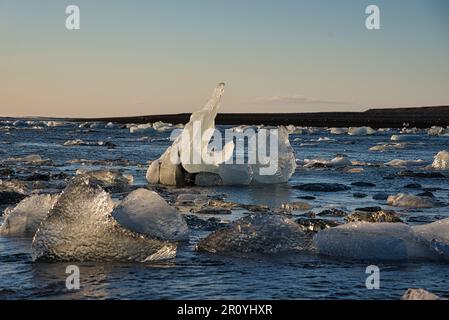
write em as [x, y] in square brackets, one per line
[404, 163]
[338, 131]
[420, 294]
[441, 161]
[258, 233]
[372, 241]
[145, 212]
[404, 137]
[411, 201]
[25, 218]
[361, 131]
[165, 171]
[108, 178]
[79, 142]
[335, 162]
[437, 236]
[80, 227]
[148, 127]
[387, 146]
[437, 131]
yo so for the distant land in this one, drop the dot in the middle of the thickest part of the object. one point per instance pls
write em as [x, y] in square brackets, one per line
[420, 117]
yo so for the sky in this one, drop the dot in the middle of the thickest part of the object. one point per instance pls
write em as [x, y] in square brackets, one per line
[165, 56]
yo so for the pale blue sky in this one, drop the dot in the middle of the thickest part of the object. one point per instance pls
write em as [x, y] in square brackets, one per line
[151, 57]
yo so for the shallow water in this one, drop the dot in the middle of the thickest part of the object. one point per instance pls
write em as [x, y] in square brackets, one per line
[196, 275]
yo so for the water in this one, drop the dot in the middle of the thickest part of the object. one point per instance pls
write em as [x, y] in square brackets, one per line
[196, 275]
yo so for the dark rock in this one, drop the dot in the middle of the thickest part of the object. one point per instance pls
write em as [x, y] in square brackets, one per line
[316, 225]
[430, 175]
[363, 184]
[426, 194]
[214, 211]
[322, 187]
[374, 217]
[381, 196]
[38, 177]
[310, 214]
[255, 207]
[307, 197]
[333, 213]
[6, 172]
[413, 186]
[211, 224]
[10, 197]
[369, 209]
[359, 195]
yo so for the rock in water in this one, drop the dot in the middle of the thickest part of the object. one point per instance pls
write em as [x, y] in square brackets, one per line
[258, 233]
[373, 242]
[80, 227]
[145, 212]
[25, 218]
[322, 187]
[441, 161]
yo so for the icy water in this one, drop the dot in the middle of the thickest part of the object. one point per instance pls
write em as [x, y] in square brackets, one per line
[196, 275]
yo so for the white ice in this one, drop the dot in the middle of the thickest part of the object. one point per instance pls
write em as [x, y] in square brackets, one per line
[441, 161]
[373, 242]
[361, 131]
[24, 219]
[145, 212]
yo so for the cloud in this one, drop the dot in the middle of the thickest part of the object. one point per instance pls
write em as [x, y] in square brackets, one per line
[293, 100]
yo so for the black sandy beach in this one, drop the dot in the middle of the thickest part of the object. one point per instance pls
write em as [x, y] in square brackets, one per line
[420, 117]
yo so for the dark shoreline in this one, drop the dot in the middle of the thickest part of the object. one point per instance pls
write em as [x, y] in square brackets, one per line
[420, 117]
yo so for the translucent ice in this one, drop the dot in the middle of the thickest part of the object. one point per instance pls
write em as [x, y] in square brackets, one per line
[80, 227]
[180, 162]
[258, 233]
[441, 161]
[361, 131]
[25, 218]
[145, 212]
[372, 241]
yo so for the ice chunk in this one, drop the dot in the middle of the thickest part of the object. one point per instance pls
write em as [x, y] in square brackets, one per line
[437, 131]
[148, 127]
[411, 201]
[194, 140]
[338, 131]
[404, 163]
[419, 294]
[372, 241]
[145, 212]
[441, 161]
[258, 233]
[286, 162]
[335, 162]
[25, 218]
[361, 131]
[108, 178]
[437, 236]
[404, 137]
[388, 146]
[80, 227]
